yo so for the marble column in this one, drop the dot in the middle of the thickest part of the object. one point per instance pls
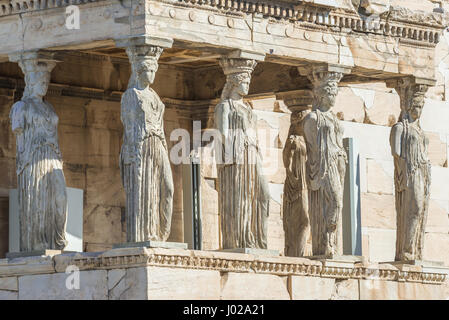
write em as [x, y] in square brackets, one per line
[326, 161]
[40, 178]
[144, 161]
[412, 169]
[295, 215]
[243, 190]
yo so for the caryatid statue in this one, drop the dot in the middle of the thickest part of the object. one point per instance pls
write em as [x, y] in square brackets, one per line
[412, 171]
[40, 178]
[144, 162]
[326, 163]
[296, 195]
[243, 190]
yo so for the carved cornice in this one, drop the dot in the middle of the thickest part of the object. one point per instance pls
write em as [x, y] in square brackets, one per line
[219, 261]
[405, 24]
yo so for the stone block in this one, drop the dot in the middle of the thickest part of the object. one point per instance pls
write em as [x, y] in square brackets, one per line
[73, 144]
[257, 287]
[265, 104]
[439, 187]
[437, 149]
[9, 283]
[346, 290]
[378, 211]
[103, 225]
[378, 290]
[273, 165]
[349, 106]
[420, 291]
[438, 219]
[377, 148]
[156, 283]
[8, 295]
[210, 228]
[380, 176]
[103, 114]
[382, 244]
[435, 247]
[70, 110]
[385, 109]
[429, 122]
[104, 186]
[75, 175]
[103, 147]
[92, 286]
[26, 265]
[8, 173]
[7, 140]
[311, 288]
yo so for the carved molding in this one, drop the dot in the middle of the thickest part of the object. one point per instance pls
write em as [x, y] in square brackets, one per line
[399, 22]
[219, 261]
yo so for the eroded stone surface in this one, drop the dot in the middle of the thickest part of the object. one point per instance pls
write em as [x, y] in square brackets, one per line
[92, 286]
[258, 287]
[311, 288]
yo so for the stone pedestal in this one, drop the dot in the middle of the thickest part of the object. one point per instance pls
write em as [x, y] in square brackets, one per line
[255, 251]
[152, 244]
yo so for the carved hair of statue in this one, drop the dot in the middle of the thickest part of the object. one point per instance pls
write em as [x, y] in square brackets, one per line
[37, 72]
[324, 84]
[142, 58]
[296, 121]
[412, 95]
[236, 71]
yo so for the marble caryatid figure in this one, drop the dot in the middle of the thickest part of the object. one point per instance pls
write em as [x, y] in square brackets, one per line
[243, 191]
[40, 178]
[411, 173]
[326, 161]
[144, 163]
[296, 199]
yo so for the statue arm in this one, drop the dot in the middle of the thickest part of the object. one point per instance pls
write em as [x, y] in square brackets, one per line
[287, 154]
[309, 125]
[17, 116]
[395, 140]
[221, 118]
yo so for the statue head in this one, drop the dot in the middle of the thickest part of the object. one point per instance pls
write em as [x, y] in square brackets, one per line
[37, 76]
[325, 89]
[415, 105]
[296, 122]
[412, 98]
[238, 76]
[144, 65]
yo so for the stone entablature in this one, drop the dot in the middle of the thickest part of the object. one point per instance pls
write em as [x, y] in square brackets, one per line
[220, 261]
[142, 273]
[399, 42]
[397, 22]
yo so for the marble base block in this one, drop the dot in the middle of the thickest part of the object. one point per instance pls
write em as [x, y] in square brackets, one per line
[152, 244]
[13, 255]
[255, 251]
